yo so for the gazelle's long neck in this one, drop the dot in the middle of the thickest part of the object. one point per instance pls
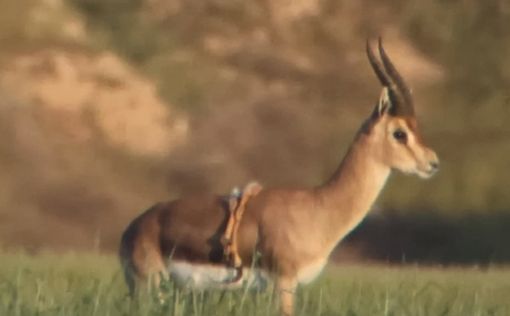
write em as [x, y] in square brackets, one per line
[348, 196]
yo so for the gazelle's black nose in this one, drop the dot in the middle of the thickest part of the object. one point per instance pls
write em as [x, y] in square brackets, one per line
[434, 165]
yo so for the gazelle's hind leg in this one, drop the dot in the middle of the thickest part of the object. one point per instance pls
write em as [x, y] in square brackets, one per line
[150, 269]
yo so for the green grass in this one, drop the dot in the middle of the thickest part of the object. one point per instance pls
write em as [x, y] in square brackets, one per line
[87, 284]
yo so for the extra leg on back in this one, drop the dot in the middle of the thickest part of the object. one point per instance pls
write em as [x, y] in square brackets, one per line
[237, 205]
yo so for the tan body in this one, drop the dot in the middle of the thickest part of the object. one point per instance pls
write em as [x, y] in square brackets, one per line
[293, 230]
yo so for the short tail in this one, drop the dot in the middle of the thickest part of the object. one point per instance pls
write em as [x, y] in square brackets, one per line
[126, 262]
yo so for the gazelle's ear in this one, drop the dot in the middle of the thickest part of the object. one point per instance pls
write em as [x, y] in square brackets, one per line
[384, 104]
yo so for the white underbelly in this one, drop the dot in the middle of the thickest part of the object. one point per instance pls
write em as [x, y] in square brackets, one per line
[204, 276]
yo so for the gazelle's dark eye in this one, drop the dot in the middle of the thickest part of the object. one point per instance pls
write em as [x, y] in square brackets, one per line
[400, 136]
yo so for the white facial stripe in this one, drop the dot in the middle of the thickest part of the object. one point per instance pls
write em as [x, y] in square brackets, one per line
[411, 138]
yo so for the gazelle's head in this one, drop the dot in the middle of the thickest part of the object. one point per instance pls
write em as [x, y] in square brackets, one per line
[392, 127]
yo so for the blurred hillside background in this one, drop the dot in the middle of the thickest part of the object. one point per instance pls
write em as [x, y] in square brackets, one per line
[109, 106]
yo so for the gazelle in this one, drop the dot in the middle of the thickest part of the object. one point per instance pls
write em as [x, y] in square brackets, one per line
[293, 230]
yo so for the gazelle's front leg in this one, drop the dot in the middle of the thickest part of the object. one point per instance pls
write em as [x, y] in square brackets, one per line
[286, 287]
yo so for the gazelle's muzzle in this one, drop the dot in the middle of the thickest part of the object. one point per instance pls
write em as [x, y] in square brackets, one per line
[431, 165]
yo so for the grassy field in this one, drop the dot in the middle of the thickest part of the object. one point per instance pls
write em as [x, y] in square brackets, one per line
[87, 284]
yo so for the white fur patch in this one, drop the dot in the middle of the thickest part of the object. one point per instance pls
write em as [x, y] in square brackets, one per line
[311, 271]
[204, 276]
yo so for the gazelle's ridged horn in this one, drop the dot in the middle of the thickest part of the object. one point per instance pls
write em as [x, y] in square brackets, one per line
[376, 66]
[395, 77]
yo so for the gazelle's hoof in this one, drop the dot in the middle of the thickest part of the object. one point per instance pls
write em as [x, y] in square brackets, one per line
[238, 276]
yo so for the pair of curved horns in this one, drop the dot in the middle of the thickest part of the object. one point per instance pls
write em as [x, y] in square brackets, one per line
[390, 78]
